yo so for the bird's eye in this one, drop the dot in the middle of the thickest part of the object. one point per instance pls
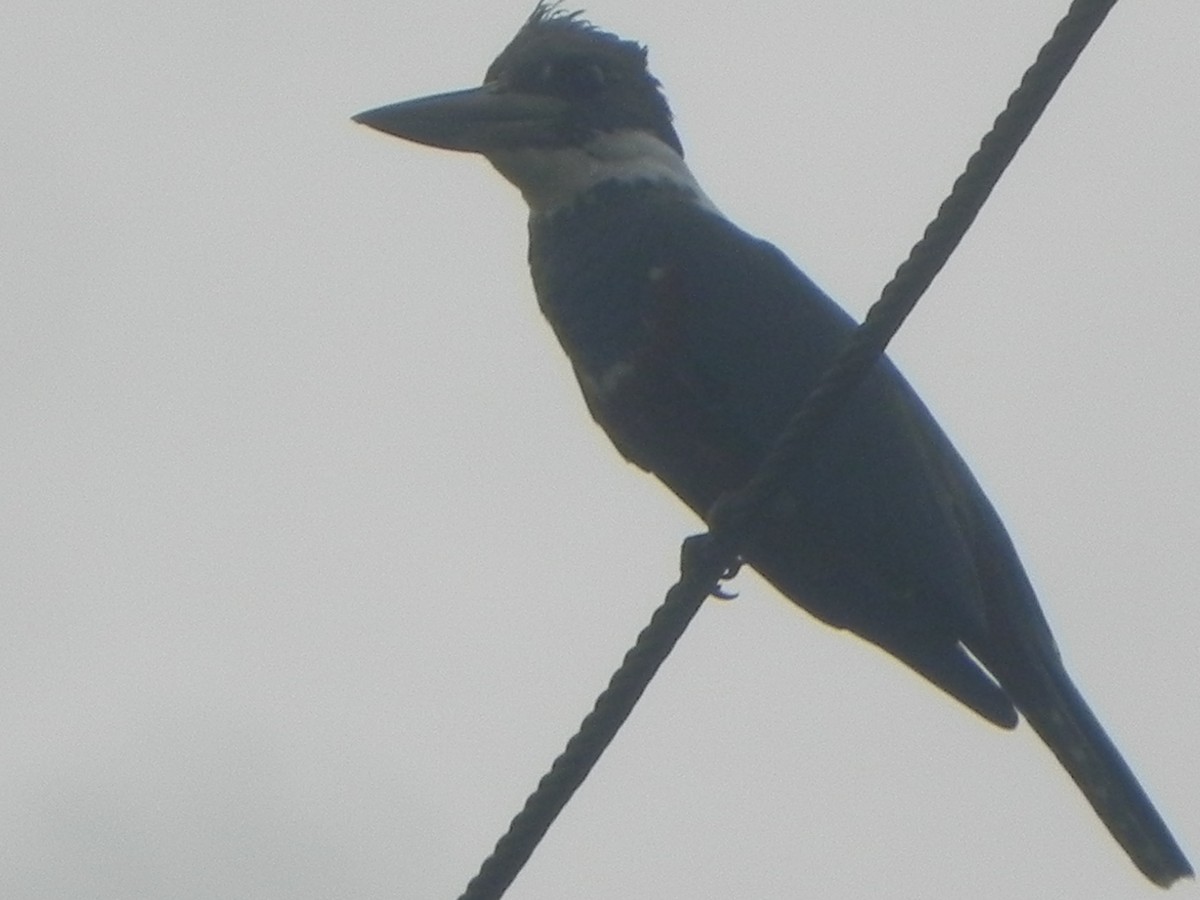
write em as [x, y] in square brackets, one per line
[572, 77]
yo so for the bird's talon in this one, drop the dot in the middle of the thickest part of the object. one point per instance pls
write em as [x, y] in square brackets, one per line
[728, 575]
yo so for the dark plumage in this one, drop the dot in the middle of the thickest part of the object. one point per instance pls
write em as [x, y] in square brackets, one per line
[693, 342]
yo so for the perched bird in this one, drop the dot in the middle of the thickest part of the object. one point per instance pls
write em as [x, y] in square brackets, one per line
[693, 342]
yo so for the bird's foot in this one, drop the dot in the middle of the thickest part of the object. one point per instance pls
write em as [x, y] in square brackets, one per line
[701, 554]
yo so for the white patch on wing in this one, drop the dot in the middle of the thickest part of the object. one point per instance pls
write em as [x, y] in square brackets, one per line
[600, 387]
[552, 178]
[611, 378]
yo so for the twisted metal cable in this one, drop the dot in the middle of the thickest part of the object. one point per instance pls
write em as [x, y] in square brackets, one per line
[706, 559]
[699, 577]
[736, 513]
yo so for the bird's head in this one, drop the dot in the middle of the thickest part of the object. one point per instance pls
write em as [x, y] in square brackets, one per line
[565, 107]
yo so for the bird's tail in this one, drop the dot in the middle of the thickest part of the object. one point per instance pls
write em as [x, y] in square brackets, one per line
[1050, 703]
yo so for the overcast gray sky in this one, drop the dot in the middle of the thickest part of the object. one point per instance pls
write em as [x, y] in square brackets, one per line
[310, 558]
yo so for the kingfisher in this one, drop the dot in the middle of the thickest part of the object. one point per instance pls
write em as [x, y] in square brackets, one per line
[694, 342]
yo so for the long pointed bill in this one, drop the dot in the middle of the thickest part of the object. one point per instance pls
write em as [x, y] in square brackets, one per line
[476, 120]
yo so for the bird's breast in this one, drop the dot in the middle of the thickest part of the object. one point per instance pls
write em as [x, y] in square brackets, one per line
[631, 345]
